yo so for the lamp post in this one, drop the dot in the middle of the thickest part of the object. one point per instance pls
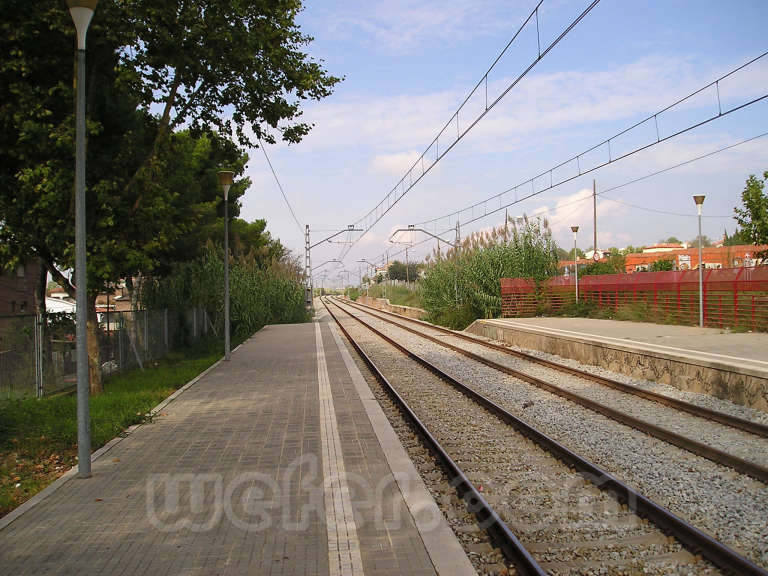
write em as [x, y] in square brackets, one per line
[699, 199]
[575, 230]
[226, 178]
[82, 13]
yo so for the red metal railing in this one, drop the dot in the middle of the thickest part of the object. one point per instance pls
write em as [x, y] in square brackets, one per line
[732, 296]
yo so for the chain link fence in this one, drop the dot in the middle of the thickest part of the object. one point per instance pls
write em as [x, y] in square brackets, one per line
[37, 352]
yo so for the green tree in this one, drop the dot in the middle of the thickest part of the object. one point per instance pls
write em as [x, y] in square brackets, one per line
[753, 216]
[662, 265]
[615, 263]
[398, 271]
[738, 238]
[235, 66]
[705, 241]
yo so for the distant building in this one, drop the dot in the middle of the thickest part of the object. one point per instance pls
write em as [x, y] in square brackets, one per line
[60, 302]
[19, 289]
[664, 247]
[688, 258]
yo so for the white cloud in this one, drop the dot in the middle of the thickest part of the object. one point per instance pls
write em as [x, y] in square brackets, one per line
[394, 164]
[577, 209]
[539, 105]
[400, 26]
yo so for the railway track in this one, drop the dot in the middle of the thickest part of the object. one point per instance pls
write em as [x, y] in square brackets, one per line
[557, 512]
[662, 420]
[727, 419]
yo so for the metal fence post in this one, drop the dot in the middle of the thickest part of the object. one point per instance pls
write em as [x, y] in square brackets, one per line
[38, 356]
[146, 334]
[120, 338]
[165, 328]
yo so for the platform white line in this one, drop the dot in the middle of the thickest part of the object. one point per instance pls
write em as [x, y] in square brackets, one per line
[444, 550]
[344, 558]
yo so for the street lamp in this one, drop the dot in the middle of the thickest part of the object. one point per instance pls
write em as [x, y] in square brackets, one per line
[575, 230]
[699, 199]
[81, 12]
[226, 178]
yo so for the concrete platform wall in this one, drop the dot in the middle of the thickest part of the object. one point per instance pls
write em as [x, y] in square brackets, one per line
[385, 304]
[730, 382]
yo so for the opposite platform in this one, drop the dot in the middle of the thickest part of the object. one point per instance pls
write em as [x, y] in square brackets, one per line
[731, 366]
[269, 464]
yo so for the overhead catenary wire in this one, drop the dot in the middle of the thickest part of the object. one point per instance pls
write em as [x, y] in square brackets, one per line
[280, 186]
[452, 217]
[617, 187]
[423, 164]
[662, 171]
[530, 183]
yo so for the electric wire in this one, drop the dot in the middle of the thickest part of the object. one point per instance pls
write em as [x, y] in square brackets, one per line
[617, 187]
[662, 171]
[611, 160]
[411, 178]
[280, 186]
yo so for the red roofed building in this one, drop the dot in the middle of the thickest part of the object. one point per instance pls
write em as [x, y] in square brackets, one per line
[688, 258]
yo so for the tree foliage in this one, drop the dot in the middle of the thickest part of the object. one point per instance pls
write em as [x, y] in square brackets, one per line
[399, 271]
[615, 263]
[753, 216]
[260, 292]
[662, 265]
[705, 241]
[167, 84]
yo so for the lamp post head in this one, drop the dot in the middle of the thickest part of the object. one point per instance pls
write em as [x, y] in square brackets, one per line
[699, 199]
[82, 12]
[226, 178]
[574, 229]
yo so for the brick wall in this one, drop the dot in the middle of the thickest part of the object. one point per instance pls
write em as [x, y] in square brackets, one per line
[18, 287]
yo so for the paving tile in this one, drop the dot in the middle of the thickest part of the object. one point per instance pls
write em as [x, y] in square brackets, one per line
[240, 456]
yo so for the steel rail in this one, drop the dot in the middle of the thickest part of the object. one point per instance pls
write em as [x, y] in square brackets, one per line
[718, 456]
[720, 417]
[696, 541]
[512, 548]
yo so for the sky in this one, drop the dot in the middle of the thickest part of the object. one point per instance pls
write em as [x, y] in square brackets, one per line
[407, 66]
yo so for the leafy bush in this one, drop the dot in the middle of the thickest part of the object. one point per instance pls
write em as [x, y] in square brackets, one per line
[663, 265]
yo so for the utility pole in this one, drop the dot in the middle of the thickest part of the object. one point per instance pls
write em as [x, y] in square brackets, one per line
[506, 219]
[407, 277]
[458, 235]
[456, 263]
[307, 268]
[594, 210]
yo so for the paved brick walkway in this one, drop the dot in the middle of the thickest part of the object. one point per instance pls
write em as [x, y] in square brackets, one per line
[230, 479]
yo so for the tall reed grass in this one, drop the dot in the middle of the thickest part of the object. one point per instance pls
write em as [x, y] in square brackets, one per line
[261, 292]
[462, 284]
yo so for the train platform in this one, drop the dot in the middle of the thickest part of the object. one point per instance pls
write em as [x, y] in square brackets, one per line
[728, 365]
[278, 462]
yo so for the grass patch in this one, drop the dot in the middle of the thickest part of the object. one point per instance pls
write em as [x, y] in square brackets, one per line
[38, 438]
[399, 295]
[457, 318]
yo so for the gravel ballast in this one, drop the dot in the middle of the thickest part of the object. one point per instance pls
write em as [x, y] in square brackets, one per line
[574, 527]
[730, 506]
